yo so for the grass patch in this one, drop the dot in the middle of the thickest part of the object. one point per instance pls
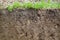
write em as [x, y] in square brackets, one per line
[36, 5]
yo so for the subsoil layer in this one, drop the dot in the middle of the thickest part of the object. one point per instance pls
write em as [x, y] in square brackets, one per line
[30, 24]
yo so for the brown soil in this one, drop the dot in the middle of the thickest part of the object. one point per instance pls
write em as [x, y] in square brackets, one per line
[30, 24]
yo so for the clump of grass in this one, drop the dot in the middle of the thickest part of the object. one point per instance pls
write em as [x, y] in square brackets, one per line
[10, 8]
[17, 5]
[28, 5]
[36, 5]
[14, 6]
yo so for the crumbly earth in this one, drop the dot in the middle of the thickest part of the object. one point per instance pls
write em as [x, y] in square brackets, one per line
[30, 24]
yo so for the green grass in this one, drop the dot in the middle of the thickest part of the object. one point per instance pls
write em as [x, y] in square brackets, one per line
[36, 5]
[27, 5]
[10, 8]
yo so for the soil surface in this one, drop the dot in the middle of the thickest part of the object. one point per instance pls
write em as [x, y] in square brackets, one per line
[30, 24]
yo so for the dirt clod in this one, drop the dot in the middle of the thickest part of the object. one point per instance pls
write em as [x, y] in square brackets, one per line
[30, 24]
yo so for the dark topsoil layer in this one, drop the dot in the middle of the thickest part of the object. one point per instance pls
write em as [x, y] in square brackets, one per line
[30, 24]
